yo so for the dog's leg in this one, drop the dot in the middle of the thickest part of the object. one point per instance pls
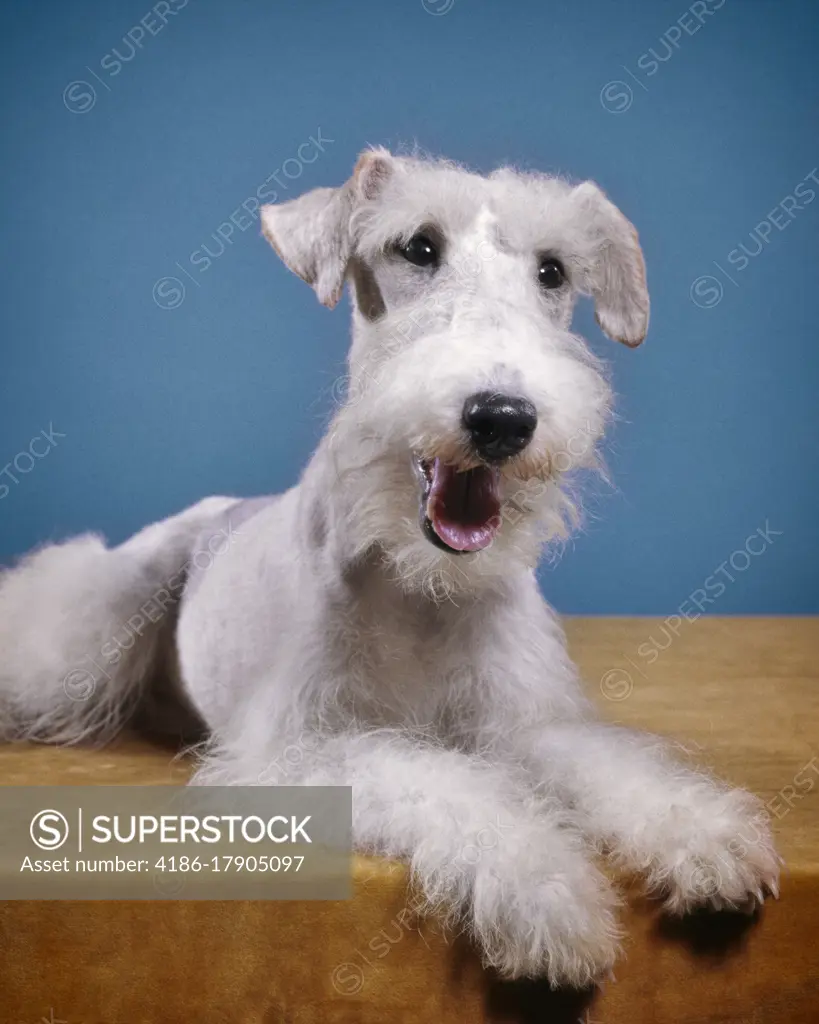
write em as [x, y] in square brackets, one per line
[480, 851]
[699, 841]
[692, 836]
[80, 625]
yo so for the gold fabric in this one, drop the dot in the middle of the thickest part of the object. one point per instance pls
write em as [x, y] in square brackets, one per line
[742, 694]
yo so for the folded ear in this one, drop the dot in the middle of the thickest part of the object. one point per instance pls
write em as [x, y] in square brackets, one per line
[615, 272]
[312, 234]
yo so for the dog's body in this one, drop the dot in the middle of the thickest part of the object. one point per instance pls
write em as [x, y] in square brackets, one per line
[340, 634]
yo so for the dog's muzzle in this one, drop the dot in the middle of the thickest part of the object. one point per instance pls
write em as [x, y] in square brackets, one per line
[461, 508]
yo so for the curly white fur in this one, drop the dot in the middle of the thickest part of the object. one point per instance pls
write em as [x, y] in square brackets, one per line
[328, 641]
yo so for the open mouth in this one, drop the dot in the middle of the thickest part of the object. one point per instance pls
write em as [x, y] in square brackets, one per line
[460, 511]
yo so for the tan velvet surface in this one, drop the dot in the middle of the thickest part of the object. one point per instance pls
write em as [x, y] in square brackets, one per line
[744, 696]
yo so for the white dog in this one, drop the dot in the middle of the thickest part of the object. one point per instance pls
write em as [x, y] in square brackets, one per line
[380, 625]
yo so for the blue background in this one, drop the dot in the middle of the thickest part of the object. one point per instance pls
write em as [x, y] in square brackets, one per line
[228, 392]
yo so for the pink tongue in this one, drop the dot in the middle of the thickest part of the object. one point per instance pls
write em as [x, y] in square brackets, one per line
[464, 508]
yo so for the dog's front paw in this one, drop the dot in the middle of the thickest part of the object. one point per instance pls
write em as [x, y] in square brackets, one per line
[559, 924]
[716, 851]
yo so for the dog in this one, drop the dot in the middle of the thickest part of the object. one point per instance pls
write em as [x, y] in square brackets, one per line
[380, 625]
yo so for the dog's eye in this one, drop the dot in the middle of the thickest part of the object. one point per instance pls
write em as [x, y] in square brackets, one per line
[550, 273]
[421, 251]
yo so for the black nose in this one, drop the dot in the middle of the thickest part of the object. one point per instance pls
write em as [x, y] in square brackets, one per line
[498, 426]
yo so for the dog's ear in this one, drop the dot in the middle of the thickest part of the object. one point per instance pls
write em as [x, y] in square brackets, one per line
[312, 234]
[615, 272]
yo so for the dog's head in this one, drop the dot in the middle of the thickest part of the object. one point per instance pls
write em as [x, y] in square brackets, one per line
[469, 398]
